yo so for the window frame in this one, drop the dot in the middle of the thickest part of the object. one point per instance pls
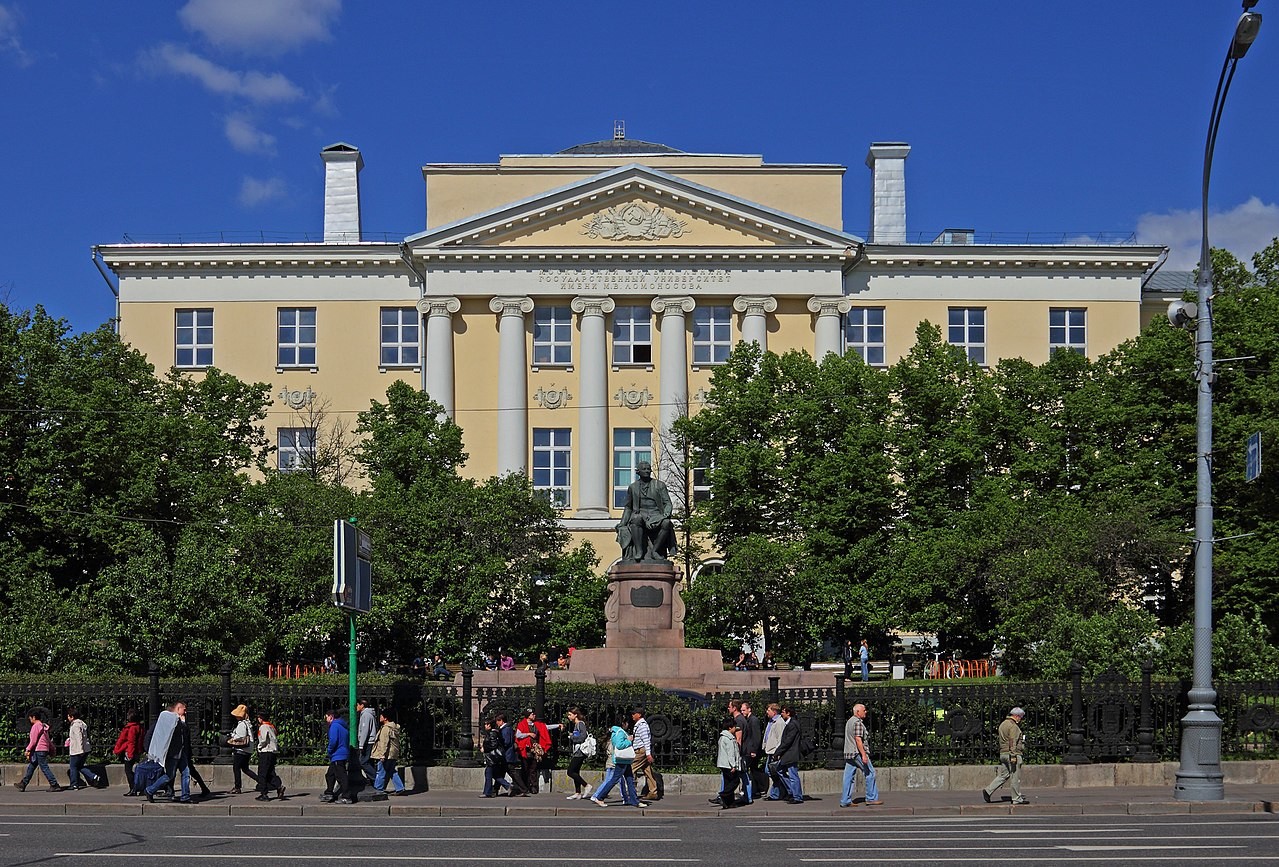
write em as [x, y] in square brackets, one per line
[633, 451]
[298, 345]
[304, 455]
[865, 346]
[559, 336]
[714, 346]
[1066, 344]
[629, 342]
[974, 349]
[195, 346]
[406, 318]
[549, 451]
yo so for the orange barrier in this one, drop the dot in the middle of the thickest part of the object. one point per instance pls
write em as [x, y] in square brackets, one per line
[285, 670]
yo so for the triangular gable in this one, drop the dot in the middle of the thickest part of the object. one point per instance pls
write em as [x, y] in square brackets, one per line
[633, 204]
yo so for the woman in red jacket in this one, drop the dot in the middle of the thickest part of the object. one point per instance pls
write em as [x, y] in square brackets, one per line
[533, 740]
[128, 745]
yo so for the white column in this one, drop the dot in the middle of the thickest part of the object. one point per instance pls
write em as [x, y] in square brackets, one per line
[512, 384]
[592, 410]
[437, 367]
[826, 329]
[755, 321]
[672, 381]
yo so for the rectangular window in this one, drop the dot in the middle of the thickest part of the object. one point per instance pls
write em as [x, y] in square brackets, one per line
[1068, 330]
[552, 336]
[967, 328]
[864, 334]
[295, 447]
[193, 338]
[552, 464]
[701, 479]
[631, 445]
[398, 333]
[712, 335]
[632, 335]
[295, 337]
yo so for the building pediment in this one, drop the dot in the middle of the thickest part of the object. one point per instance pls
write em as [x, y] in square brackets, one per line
[632, 207]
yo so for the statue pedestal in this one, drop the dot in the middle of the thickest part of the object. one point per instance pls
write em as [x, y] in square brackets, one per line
[645, 632]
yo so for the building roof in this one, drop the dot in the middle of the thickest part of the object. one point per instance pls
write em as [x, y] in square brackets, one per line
[617, 146]
[1171, 281]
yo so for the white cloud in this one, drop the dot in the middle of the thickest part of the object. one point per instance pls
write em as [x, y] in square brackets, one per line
[247, 138]
[261, 26]
[10, 41]
[1243, 230]
[255, 86]
[256, 191]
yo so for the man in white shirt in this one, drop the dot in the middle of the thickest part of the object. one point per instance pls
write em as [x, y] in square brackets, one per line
[643, 740]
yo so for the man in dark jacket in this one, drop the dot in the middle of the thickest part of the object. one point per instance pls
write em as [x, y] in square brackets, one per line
[788, 753]
[514, 763]
[752, 748]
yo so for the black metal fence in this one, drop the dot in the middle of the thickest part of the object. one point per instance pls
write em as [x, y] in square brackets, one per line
[938, 723]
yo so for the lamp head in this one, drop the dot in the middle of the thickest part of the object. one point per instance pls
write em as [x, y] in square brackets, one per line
[1183, 314]
[1245, 33]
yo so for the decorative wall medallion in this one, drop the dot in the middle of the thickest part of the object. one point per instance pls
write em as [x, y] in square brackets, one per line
[297, 399]
[633, 398]
[634, 222]
[553, 399]
[646, 597]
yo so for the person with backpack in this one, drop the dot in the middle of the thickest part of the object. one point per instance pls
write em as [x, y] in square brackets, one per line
[268, 751]
[241, 743]
[386, 752]
[128, 746]
[38, 747]
[579, 738]
[78, 748]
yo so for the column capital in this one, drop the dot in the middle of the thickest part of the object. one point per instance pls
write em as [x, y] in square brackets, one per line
[511, 305]
[673, 304]
[825, 305]
[756, 304]
[439, 306]
[588, 305]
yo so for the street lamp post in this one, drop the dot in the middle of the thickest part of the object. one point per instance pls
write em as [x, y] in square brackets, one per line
[1199, 777]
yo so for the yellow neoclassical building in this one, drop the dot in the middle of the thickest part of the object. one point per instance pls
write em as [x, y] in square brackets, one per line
[565, 308]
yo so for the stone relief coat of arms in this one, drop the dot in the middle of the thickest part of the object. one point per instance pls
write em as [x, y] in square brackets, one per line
[634, 222]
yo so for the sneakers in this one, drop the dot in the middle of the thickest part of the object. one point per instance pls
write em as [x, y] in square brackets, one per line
[598, 802]
[1017, 802]
[641, 803]
[344, 801]
[985, 795]
[262, 797]
[573, 797]
[874, 803]
[586, 792]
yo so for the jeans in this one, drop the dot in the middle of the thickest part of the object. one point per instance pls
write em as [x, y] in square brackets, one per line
[75, 767]
[39, 759]
[386, 770]
[778, 787]
[851, 767]
[368, 765]
[627, 776]
[611, 777]
[728, 785]
[790, 773]
[865, 671]
[748, 776]
[494, 779]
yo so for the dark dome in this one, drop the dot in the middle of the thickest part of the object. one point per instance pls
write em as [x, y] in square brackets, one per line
[621, 146]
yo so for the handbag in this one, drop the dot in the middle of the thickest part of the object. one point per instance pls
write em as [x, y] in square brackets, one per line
[624, 754]
[536, 749]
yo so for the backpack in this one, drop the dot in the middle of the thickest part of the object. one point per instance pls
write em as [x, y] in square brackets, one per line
[589, 746]
[806, 746]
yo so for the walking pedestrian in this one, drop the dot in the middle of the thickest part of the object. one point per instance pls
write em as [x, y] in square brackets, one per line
[366, 737]
[751, 737]
[128, 746]
[78, 748]
[777, 787]
[336, 786]
[857, 758]
[623, 756]
[241, 743]
[1011, 746]
[863, 654]
[494, 757]
[728, 759]
[788, 755]
[644, 762]
[386, 752]
[848, 659]
[577, 737]
[611, 775]
[514, 759]
[268, 752]
[37, 753]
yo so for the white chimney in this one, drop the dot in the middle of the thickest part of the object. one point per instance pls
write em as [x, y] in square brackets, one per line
[342, 164]
[887, 162]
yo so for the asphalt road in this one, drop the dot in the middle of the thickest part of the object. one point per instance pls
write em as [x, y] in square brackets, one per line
[625, 837]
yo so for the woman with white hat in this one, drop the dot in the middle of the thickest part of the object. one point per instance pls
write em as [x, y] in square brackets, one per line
[241, 743]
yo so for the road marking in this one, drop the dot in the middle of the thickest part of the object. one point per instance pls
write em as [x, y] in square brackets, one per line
[84, 824]
[222, 856]
[428, 839]
[804, 838]
[1039, 859]
[1117, 847]
[364, 826]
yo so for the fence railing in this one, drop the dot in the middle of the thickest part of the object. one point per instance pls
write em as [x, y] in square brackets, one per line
[1108, 718]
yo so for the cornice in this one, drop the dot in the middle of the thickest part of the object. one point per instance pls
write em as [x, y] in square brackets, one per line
[1006, 257]
[240, 257]
[595, 256]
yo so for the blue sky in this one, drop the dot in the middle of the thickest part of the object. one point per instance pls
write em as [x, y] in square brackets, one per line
[157, 119]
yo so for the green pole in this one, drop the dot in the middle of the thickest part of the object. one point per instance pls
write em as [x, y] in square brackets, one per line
[350, 685]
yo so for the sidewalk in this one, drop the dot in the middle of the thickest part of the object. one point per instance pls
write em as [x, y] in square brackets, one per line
[304, 801]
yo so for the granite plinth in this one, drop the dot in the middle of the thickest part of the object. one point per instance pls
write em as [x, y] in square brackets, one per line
[683, 667]
[644, 608]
